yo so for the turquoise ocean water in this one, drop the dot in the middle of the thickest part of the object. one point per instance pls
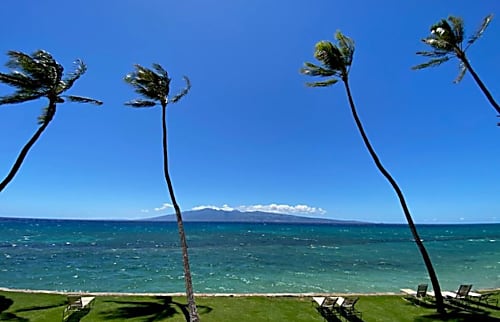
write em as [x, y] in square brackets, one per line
[241, 258]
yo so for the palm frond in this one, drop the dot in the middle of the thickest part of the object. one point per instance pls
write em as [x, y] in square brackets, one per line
[40, 66]
[432, 63]
[140, 103]
[142, 89]
[457, 25]
[335, 61]
[442, 37]
[438, 44]
[148, 83]
[329, 55]
[325, 83]
[20, 97]
[177, 97]
[82, 99]
[19, 80]
[69, 80]
[47, 115]
[160, 70]
[346, 46]
[435, 53]
[480, 31]
[311, 69]
[461, 73]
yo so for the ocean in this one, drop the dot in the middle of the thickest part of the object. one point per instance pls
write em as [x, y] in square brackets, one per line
[121, 256]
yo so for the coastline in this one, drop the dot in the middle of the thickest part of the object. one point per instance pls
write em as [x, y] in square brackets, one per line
[30, 291]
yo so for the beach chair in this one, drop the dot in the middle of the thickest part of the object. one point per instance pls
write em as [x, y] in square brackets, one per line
[77, 303]
[346, 308]
[460, 295]
[484, 298]
[421, 291]
[325, 306]
[325, 302]
[481, 298]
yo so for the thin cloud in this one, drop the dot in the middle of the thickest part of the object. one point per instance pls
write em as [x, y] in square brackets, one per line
[224, 207]
[163, 207]
[272, 208]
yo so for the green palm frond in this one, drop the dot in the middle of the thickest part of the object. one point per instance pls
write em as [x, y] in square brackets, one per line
[480, 31]
[160, 70]
[432, 63]
[335, 60]
[47, 115]
[19, 80]
[446, 41]
[69, 80]
[315, 70]
[140, 103]
[346, 46]
[446, 37]
[329, 55]
[154, 85]
[39, 66]
[177, 97]
[33, 75]
[461, 73]
[20, 97]
[148, 83]
[436, 53]
[325, 83]
[457, 25]
[40, 75]
[82, 99]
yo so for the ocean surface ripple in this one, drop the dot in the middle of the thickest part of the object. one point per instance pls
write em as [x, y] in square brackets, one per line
[112, 256]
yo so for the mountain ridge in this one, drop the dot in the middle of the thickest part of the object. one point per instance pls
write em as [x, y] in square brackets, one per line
[215, 215]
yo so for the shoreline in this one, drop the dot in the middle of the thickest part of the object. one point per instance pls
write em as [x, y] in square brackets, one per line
[308, 294]
[180, 294]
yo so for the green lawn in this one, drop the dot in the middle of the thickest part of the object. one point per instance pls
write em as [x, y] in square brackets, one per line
[22, 307]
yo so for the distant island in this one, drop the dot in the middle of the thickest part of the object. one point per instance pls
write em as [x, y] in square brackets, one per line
[213, 215]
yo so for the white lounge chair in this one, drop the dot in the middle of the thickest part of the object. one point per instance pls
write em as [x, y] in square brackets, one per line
[345, 306]
[325, 302]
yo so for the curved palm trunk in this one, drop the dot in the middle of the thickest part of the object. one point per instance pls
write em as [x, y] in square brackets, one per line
[409, 219]
[24, 152]
[193, 311]
[486, 92]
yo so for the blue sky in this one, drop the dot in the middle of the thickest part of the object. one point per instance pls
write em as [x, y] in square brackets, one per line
[250, 134]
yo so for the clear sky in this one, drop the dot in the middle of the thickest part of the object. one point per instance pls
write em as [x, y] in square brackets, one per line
[250, 134]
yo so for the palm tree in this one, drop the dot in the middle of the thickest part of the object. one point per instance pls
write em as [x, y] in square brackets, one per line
[446, 40]
[336, 61]
[35, 76]
[154, 86]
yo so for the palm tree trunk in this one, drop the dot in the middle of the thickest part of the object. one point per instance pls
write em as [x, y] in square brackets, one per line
[486, 92]
[24, 152]
[409, 219]
[193, 311]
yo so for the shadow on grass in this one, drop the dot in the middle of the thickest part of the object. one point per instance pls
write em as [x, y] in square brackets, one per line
[164, 307]
[331, 316]
[423, 302]
[78, 315]
[457, 317]
[5, 303]
[328, 314]
[36, 308]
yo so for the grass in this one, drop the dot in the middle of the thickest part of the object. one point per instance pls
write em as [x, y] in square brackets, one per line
[25, 307]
